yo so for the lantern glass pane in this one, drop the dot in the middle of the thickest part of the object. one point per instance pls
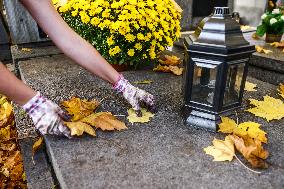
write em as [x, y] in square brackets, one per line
[233, 83]
[204, 80]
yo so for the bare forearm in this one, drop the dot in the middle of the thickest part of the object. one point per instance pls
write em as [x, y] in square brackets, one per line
[68, 41]
[14, 88]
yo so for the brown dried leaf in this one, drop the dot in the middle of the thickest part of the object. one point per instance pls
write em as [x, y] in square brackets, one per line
[80, 108]
[13, 166]
[78, 128]
[241, 147]
[257, 163]
[249, 150]
[105, 121]
[259, 151]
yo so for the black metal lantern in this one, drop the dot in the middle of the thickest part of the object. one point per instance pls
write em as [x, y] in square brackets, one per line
[216, 69]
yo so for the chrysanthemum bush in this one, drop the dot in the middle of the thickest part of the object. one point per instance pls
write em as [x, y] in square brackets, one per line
[124, 31]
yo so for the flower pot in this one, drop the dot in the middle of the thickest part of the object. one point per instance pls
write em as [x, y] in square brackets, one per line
[270, 38]
[120, 68]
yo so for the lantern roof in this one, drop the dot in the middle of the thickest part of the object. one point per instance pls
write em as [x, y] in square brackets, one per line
[221, 35]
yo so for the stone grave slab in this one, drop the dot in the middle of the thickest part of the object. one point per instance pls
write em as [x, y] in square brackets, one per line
[162, 154]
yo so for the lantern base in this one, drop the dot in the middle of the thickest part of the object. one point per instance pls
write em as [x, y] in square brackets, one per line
[204, 120]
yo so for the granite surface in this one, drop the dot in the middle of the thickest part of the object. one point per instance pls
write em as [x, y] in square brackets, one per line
[37, 169]
[273, 61]
[162, 154]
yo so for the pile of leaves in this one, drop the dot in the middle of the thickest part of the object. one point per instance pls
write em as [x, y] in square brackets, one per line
[169, 64]
[85, 120]
[11, 166]
[248, 137]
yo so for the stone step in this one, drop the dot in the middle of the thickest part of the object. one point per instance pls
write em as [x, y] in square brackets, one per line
[162, 154]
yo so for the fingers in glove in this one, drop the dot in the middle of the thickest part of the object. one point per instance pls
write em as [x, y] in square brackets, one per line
[148, 102]
[138, 113]
[63, 114]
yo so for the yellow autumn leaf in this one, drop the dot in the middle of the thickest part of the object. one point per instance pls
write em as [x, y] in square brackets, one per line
[173, 69]
[170, 60]
[261, 49]
[78, 128]
[252, 129]
[227, 125]
[80, 108]
[250, 87]
[133, 118]
[143, 82]
[36, 146]
[222, 150]
[277, 44]
[281, 90]
[270, 108]
[6, 110]
[26, 49]
[104, 121]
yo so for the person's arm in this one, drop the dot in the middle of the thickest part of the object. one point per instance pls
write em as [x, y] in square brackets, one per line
[68, 41]
[14, 88]
[84, 53]
[46, 115]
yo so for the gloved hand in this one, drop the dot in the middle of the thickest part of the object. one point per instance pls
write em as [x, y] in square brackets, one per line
[135, 96]
[47, 116]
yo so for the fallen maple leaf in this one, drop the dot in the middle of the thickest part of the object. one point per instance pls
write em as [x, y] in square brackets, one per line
[246, 27]
[261, 49]
[281, 90]
[248, 151]
[37, 145]
[270, 108]
[80, 108]
[170, 60]
[251, 129]
[259, 151]
[104, 121]
[174, 69]
[278, 44]
[227, 125]
[133, 118]
[26, 49]
[143, 82]
[221, 150]
[78, 128]
[250, 87]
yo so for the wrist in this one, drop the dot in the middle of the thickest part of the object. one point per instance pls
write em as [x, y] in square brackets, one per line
[34, 102]
[120, 84]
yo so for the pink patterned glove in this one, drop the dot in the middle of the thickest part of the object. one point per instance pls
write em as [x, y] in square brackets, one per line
[135, 96]
[47, 116]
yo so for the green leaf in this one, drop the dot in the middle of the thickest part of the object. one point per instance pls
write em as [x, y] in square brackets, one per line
[261, 30]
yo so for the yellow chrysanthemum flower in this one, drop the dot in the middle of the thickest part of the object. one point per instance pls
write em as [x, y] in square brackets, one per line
[131, 52]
